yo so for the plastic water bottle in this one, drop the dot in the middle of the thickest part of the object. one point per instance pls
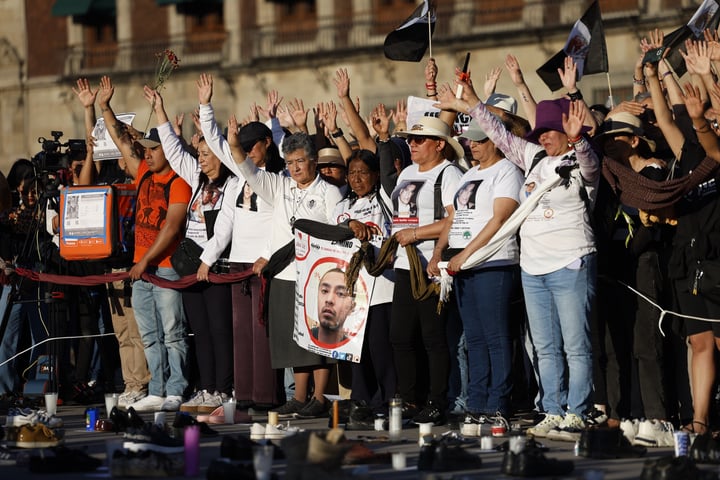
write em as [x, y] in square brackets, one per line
[395, 427]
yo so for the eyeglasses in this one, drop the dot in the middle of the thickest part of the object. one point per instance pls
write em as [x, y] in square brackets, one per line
[299, 161]
[359, 173]
[418, 140]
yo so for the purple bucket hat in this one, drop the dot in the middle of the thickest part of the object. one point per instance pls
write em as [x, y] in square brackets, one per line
[548, 116]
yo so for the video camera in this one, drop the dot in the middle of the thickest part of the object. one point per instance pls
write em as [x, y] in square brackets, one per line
[53, 158]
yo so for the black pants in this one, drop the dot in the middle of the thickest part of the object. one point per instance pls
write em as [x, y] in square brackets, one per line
[412, 319]
[373, 379]
[208, 308]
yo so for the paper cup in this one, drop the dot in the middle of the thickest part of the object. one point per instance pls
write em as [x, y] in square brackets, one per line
[229, 410]
[51, 403]
[111, 400]
[399, 461]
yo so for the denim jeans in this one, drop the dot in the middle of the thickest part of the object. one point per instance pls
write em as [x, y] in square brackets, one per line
[558, 307]
[483, 297]
[161, 322]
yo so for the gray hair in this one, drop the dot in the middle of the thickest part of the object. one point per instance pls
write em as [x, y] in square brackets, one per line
[300, 141]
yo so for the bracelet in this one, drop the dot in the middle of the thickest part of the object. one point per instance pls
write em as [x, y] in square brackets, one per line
[431, 94]
[574, 141]
[702, 129]
[575, 96]
[665, 74]
[638, 82]
[415, 234]
[337, 134]
[431, 85]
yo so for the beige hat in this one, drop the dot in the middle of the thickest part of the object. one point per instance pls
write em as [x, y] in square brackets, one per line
[624, 122]
[434, 127]
[330, 156]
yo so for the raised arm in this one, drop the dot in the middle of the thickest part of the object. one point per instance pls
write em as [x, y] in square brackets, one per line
[528, 102]
[665, 122]
[118, 131]
[357, 124]
[695, 106]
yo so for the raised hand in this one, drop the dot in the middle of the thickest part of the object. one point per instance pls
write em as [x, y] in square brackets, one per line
[513, 67]
[431, 71]
[85, 93]
[342, 83]
[491, 80]
[106, 91]
[399, 115]
[448, 101]
[568, 74]
[299, 113]
[177, 123]
[205, 88]
[574, 120]
[153, 97]
[254, 116]
[273, 102]
[232, 133]
[693, 101]
[380, 121]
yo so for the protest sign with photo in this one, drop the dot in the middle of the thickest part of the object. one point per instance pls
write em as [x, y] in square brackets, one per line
[105, 148]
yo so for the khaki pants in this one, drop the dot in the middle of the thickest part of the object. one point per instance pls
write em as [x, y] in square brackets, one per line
[132, 353]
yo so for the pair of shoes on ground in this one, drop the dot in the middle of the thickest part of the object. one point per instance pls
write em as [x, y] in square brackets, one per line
[122, 421]
[439, 456]
[152, 437]
[479, 424]
[557, 427]
[203, 401]
[294, 408]
[431, 413]
[603, 443]
[259, 431]
[648, 433]
[129, 396]
[32, 436]
[156, 403]
[18, 417]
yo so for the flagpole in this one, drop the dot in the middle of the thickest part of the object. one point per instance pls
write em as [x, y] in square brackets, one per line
[612, 100]
[429, 33]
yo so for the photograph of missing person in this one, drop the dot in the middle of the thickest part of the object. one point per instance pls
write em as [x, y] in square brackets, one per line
[404, 199]
[247, 198]
[465, 197]
[333, 314]
[205, 201]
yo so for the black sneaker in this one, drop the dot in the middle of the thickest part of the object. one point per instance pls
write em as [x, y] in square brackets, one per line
[152, 438]
[409, 411]
[313, 409]
[147, 463]
[290, 408]
[432, 413]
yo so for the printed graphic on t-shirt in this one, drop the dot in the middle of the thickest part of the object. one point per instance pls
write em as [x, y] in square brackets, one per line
[207, 200]
[404, 200]
[247, 198]
[151, 212]
[465, 197]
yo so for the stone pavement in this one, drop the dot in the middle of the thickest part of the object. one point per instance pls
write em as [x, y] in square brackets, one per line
[77, 437]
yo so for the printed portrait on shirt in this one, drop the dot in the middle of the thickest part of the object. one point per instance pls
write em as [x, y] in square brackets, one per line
[247, 198]
[465, 196]
[207, 200]
[404, 199]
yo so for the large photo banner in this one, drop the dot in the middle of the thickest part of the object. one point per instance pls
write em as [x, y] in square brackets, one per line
[330, 320]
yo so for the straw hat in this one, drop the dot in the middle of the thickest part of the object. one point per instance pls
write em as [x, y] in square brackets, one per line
[434, 127]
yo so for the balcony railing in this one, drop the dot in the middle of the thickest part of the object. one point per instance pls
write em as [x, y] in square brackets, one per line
[459, 22]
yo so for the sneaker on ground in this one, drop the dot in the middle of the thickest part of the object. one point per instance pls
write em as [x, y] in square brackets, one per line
[432, 413]
[596, 417]
[171, 404]
[569, 429]
[146, 463]
[655, 433]
[630, 429]
[17, 417]
[546, 424]
[211, 401]
[257, 431]
[152, 438]
[290, 408]
[196, 399]
[33, 436]
[278, 432]
[128, 397]
[150, 403]
[52, 421]
[314, 409]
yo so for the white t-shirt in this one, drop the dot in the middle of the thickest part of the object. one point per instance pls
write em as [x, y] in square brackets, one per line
[474, 200]
[369, 211]
[413, 204]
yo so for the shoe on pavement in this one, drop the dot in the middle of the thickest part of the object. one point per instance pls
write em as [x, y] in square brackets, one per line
[569, 429]
[196, 399]
[602, 443]
[150, 403]
[314, 409]
[128, 397]
[630, 429]
[290, 408]
[432, 413]
[152, 437]
[172, 403]
[596, 417]
[211, 401]
[546, 424]
[655, 433]
[147, 463]
[32, 436]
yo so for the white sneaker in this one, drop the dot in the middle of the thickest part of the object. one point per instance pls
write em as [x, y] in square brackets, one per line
[548, 423]
[655, 433]
[17, 417]
[50, 421]
[569, 429]
[151, 403]
[630, 429]
[211, 401]
[195, 400]
[257, 431]
[172, 403]
[128, 397]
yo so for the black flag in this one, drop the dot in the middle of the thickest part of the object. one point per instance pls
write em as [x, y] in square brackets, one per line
[706, 16]
[585, 44]
[410, 40]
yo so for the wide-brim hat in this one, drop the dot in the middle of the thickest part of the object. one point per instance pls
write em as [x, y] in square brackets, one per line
[624, 122]
[151, 139]
[474, 132]
[330, 156]
[434, 127]
[548, 116]
[505, 102]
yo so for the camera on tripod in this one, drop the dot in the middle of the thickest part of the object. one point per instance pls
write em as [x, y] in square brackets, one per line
[55, 158]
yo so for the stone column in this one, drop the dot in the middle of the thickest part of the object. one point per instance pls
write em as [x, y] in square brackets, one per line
[325, 39]
[233, 47]
[176, 31]
[362, 19]
[76, 47]
[123, 9]
[266, 27]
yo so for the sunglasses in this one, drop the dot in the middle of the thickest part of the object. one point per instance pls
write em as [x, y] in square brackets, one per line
[418, 140]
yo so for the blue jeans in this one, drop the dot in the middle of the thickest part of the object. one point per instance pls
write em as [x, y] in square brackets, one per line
[558, 306]
[483, 298]
[161, 322]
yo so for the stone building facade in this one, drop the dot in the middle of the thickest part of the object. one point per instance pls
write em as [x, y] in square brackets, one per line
[294, 46]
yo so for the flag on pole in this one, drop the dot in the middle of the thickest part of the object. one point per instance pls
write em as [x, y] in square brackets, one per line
[706, 16]
[585, 44]
[409, 41]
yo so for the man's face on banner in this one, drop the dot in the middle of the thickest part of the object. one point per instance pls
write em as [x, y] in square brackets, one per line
[334, 301]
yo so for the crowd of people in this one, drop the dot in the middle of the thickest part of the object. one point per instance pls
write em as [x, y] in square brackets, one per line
[568, 235]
